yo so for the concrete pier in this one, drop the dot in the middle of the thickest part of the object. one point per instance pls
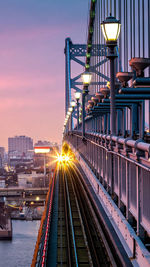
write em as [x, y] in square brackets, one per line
[6, 232]
[5, 223]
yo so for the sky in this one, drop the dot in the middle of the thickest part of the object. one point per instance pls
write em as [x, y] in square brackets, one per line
[32, 64]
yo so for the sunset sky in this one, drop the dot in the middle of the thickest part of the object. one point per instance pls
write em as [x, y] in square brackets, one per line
[32, 64]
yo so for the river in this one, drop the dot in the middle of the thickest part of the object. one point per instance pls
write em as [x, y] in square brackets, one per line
[19, 251]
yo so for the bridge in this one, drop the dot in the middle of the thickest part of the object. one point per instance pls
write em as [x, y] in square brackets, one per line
[97, 210]
[21, 191]
[28, 195]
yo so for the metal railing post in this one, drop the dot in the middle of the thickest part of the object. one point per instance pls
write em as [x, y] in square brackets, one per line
[127, 190]
[119, 182]
[138, 200]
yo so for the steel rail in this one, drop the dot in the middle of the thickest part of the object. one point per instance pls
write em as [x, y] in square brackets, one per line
[94, 253]
[48, 224]
[67, 224]
[80, 216]
[61, 242]
[117, 254]
[79, 187]
[71, 222]
[40, 232]
[80, 239]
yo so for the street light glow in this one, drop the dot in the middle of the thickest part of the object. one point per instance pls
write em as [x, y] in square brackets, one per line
[60, 158]
[73, 103]
[86, 77]
[64, 158]
[111, 29]
[77, 95]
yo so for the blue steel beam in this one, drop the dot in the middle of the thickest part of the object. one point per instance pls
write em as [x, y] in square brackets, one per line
[136, 96]
[72, 51]
[68, 75]
[138, 90]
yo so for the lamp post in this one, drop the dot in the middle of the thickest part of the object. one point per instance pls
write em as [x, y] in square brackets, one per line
[111, 29]
[86, 79]
[72, 105]
[67, 118]
[77, 97]
[70, 117]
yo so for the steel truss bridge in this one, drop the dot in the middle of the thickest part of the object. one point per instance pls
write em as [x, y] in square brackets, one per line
[98, 205]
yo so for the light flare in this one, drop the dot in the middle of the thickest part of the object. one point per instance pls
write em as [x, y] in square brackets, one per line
[64, 158]
[59, 158]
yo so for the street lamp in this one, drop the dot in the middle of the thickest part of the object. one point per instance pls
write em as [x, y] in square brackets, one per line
[66, 120]
[86, 79]
[111, 29]
[70, 118]
[77, 97]
[73, 103]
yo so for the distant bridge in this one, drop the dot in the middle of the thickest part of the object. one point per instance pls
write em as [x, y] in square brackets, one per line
[18, 191]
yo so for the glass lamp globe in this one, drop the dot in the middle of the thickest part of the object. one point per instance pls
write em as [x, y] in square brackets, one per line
[86, 77]
[111, 29]
[70, 109]
[77, 95]
[73, 103]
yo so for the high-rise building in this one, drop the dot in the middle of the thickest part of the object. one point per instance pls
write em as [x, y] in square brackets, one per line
[20, 146]
[2, 155]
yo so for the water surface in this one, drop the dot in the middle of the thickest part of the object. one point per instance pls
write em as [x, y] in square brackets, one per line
[19, 251]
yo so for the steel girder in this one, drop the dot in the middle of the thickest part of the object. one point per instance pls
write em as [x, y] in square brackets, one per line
[74, 52]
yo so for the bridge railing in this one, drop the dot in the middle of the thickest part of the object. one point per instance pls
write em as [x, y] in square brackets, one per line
[40, 251]
[122, 165]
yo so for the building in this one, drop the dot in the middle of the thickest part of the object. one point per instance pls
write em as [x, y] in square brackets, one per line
[20, 146]
[2, 156]
[20, 150]
[42, 143]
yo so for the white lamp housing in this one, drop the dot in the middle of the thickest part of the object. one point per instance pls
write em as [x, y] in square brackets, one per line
[111, 29]
[86, 77]
[73, 103]
[77, 95]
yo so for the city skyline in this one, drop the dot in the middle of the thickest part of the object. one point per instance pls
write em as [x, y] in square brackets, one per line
[32, 79]
[34, 142]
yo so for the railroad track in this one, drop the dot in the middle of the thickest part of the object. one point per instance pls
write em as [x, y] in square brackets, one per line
[72, 247]
[81, 241]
